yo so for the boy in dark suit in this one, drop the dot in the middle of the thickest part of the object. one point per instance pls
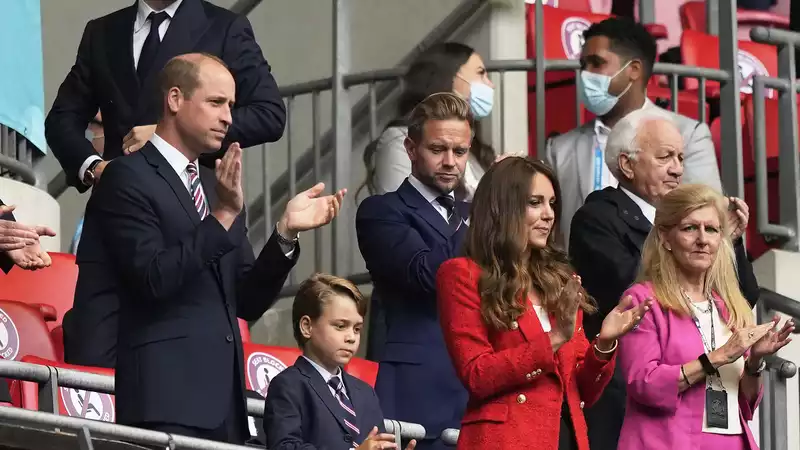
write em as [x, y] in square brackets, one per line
[315, 404]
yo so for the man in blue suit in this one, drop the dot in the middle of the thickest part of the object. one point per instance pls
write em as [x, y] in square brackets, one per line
[404, 237]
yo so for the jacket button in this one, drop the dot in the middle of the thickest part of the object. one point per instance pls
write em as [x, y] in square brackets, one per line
[538, 371]
[348, 438]
[514, 325]
[521, 399]
[229, 338]
[528, 376]
[596, 380]
[582, 404]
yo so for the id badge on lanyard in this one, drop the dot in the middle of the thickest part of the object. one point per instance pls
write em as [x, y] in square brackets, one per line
[598, 166]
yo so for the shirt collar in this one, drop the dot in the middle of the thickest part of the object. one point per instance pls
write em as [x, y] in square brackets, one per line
[177, 160]
[429, 194]
[143, 11]
[648, 210]
[602, 129]
[323, 371]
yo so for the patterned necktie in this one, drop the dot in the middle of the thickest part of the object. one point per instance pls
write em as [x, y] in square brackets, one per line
[151, 44]
[196, 189]
[453, 217]
[347, 407]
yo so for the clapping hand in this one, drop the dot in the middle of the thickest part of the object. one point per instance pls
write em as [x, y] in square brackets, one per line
[740, 342]
[622, 319]
[773, 340]
[382, 441]
[307, 210]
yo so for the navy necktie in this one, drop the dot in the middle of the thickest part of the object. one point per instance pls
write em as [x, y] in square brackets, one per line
[151, 44]
[453, 217]
[349, 413]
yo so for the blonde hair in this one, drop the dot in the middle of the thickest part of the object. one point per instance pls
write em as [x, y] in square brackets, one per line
[438, 106]
[659, 266]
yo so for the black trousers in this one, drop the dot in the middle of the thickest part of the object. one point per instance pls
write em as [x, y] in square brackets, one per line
[566, 432]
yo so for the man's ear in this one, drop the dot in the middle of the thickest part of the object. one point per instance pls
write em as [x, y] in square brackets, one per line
[411, 148]
[636, 70]
[626, 163]
[174, 99]
[305, 327]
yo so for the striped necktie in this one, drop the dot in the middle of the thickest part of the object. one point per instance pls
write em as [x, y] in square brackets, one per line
[196, 189]
[453, 217]
[347, 407]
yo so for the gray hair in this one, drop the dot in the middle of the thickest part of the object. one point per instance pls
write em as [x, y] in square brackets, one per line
[623, 137]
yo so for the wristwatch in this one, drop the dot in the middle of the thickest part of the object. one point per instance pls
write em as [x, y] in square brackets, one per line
[88, 177]
[757, 371]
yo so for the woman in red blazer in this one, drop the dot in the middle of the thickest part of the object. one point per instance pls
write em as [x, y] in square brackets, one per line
[511, 312]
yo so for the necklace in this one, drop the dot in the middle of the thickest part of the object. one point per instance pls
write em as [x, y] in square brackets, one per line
[689, 300]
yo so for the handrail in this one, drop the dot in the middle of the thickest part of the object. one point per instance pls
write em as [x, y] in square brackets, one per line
[774, 301]
[23, 170]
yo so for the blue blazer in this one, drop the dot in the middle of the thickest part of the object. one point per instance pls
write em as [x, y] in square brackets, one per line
[300, 411]
[404, 240]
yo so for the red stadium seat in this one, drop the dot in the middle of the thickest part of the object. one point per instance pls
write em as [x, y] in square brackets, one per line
[263, 362]
[702, 50]
[244, 330]
[53, 286]
[72, 402]
[363, 369]
[23, 332]
[693, 17]
[57, 335]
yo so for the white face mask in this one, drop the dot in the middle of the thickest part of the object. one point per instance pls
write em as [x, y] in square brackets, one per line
[481, 98]
[594, 91]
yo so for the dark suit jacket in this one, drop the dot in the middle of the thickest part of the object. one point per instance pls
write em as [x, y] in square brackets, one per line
[181, 284]
[5, 262]
[300, 411]
[404, 240]
[104, 77]
[606, 238]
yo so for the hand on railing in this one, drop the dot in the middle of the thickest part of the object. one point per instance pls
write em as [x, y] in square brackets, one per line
[380, 441]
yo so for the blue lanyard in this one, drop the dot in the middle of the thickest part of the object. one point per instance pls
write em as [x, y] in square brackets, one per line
[598, 166]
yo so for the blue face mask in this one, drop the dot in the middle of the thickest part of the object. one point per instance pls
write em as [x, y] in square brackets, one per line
[481, 99]
[594, 92]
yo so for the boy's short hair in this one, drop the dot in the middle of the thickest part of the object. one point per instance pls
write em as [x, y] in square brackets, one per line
[313, 294]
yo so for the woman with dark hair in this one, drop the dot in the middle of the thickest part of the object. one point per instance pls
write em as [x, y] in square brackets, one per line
[446, 67]
[512, 311]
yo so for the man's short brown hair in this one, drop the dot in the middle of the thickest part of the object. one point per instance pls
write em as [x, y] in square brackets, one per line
[315, 292]
[183, 72]
[439, 106]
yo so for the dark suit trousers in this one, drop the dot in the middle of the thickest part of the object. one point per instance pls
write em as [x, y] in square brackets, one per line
[230, 431]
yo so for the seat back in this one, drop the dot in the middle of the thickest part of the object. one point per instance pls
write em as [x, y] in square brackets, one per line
[23, 332]
[702, 50]
[693, 17]
[54, 285]
[244, 330]
[575, 5]
[73, 402]
[263, 362]
[363, 369]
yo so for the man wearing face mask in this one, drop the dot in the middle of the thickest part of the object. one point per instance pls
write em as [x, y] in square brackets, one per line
[617, 61]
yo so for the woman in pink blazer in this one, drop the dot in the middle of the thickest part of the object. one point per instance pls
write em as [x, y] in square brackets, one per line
[693, 365]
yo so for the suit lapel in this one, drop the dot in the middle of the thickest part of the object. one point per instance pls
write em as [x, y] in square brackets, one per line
[153, 156]
[585, 158]
[412, 198]
[322, 390]
[118, 39]
[184, 30]
[630, 213]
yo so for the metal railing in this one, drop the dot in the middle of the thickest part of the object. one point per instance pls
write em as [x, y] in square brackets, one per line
[16, 156]
[51, 379]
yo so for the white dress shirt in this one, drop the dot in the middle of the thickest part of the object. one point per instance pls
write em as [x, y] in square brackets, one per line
[430, 195]
[178, 161]
[141, 28]
[327, 376]
[648, 210]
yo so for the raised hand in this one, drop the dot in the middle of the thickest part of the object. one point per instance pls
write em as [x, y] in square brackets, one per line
[740, 341]
[774, 340]
[307, 210]
[622, 319]
[378, 441]
[229, 180]
[738, 216]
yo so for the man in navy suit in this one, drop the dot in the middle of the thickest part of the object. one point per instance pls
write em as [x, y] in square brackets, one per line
[315, 404]
[404, 237]
[116, 70]
[173, 238]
